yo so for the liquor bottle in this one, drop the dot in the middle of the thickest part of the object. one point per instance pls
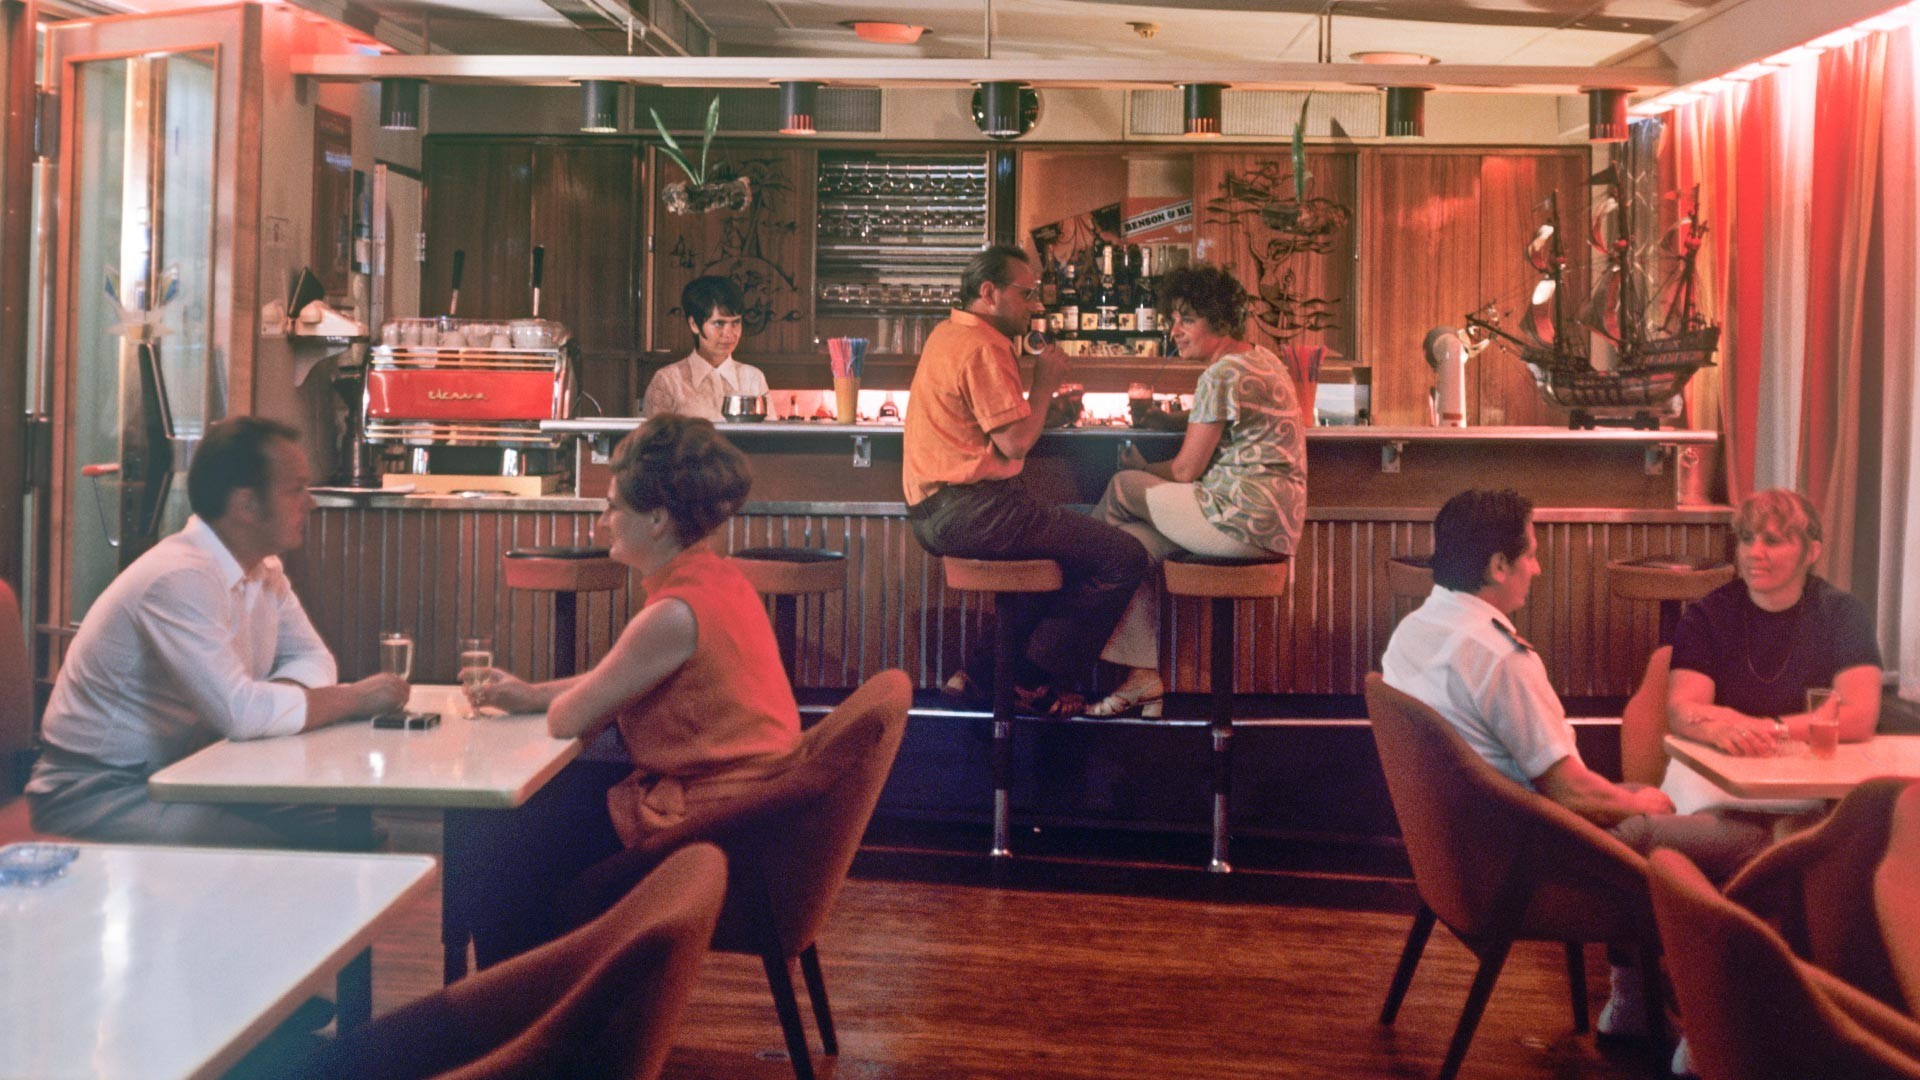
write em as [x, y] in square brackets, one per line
[1107, 303]
[1050, 285]
[1090, 294]
[1069, 302]
[1144, 298]
[1124, 276]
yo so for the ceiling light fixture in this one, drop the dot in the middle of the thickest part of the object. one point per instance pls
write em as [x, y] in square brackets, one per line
[796, 107]
[1407, 111]
[1606, 114]
[400, 104]
[1005, 110]
[886, 33]
[1378, 56]
[1203, 109]
[600, 106]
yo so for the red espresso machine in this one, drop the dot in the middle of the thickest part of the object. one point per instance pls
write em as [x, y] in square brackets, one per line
[460, 402]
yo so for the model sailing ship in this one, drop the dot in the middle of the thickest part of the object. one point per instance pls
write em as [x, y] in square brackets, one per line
[1631, 347]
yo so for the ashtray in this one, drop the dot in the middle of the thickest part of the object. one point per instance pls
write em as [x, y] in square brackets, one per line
[35, 864]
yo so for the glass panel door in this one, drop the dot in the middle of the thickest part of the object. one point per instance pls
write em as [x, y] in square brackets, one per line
[140, 364]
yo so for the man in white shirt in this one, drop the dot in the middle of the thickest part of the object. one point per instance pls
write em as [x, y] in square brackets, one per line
[201, 639]
[1460, 654]
[693, 387]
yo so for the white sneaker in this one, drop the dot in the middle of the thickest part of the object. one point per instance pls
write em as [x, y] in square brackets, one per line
[1625, 1013]
[1683, 1059]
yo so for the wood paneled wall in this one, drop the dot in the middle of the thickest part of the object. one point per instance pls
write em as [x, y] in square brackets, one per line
[580, 198]
[1447, 232]
[767, 249]
[437, 574]
[1296, 281]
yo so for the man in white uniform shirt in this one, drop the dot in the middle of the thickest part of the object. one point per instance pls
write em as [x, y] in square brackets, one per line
[1460, 654]
[693, 387]
[200, 639]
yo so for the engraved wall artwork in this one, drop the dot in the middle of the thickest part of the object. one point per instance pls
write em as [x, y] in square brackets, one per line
[1280, 235]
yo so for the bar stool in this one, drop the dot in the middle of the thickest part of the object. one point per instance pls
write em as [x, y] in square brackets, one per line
[1410, 577]
[1670, 579]
[566, 572]
[1001, 577]
[1222, 581]
[787, 574]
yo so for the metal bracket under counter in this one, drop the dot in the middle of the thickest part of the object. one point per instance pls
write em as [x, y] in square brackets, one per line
[1661, 445]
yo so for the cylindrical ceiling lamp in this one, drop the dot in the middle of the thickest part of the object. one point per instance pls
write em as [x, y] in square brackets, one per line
[599, 106]
[796, 107]
[400, 104]
[1203, 109]
[1000, 110]
[1606, 114]
[1406, 111]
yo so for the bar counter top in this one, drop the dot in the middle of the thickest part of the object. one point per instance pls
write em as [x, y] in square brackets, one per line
[1365, 433]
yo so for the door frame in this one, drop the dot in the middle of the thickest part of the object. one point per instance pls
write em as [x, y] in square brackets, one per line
[233, 35]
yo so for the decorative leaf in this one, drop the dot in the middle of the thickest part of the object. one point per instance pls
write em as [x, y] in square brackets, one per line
[672, 149]
[706, 140]
[1300, 174]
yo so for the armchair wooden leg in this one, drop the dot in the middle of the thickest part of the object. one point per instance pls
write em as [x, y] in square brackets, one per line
[817, 993]
[780, 981]
[1491, 962]
[1423, 920]
[1577, 984]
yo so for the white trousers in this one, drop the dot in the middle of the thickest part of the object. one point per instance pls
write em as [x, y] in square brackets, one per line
[1165, 517]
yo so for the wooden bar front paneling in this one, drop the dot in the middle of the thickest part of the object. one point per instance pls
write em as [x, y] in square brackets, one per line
[436, 573]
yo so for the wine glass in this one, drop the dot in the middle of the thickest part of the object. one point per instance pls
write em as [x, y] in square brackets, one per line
[396, 653]
[476, 660]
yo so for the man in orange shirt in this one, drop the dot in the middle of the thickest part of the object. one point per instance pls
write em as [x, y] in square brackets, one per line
[970, 423]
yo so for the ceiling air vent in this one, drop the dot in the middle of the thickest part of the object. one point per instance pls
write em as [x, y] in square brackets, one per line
[837, 110]
[1263, 113]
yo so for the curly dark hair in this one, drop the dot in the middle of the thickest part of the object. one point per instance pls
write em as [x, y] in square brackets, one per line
[1206, 292]
[681, 464]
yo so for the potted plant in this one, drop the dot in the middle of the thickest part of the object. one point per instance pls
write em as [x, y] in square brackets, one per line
[1303, 216]
[697, 194]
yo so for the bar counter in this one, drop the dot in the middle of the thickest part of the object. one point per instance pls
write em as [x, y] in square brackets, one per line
[431, 564]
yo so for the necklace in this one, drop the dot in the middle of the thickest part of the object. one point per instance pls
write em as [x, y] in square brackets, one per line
[1786, 655]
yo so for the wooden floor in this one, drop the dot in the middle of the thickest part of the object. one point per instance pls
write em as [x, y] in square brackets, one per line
[960, 977]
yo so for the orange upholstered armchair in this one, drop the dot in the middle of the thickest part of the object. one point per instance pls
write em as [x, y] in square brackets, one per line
[602, 1001]
[1498, 863]
[1754, 1011]
[789, 848]
[1896, 895]
[1815, 890]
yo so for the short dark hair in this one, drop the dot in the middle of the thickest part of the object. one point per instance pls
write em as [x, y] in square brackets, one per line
[991, 266]
[1471, 528]
[705, 295]
[681, 464]
[232, 456]
[1209, 293]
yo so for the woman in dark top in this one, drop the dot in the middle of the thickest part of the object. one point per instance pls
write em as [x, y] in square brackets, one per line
[1745, 656]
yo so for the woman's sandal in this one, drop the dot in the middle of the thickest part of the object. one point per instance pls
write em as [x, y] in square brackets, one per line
[1148, 699]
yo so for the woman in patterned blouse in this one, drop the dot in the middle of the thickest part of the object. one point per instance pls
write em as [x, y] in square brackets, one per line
[1238, 487]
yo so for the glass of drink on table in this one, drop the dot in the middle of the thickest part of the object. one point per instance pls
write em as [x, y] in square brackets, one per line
[1823, 722]
[476, 660]
[396, 653]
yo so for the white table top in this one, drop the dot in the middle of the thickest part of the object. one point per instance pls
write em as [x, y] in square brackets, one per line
[1803, 776]
[160, 962]
[488, 762]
